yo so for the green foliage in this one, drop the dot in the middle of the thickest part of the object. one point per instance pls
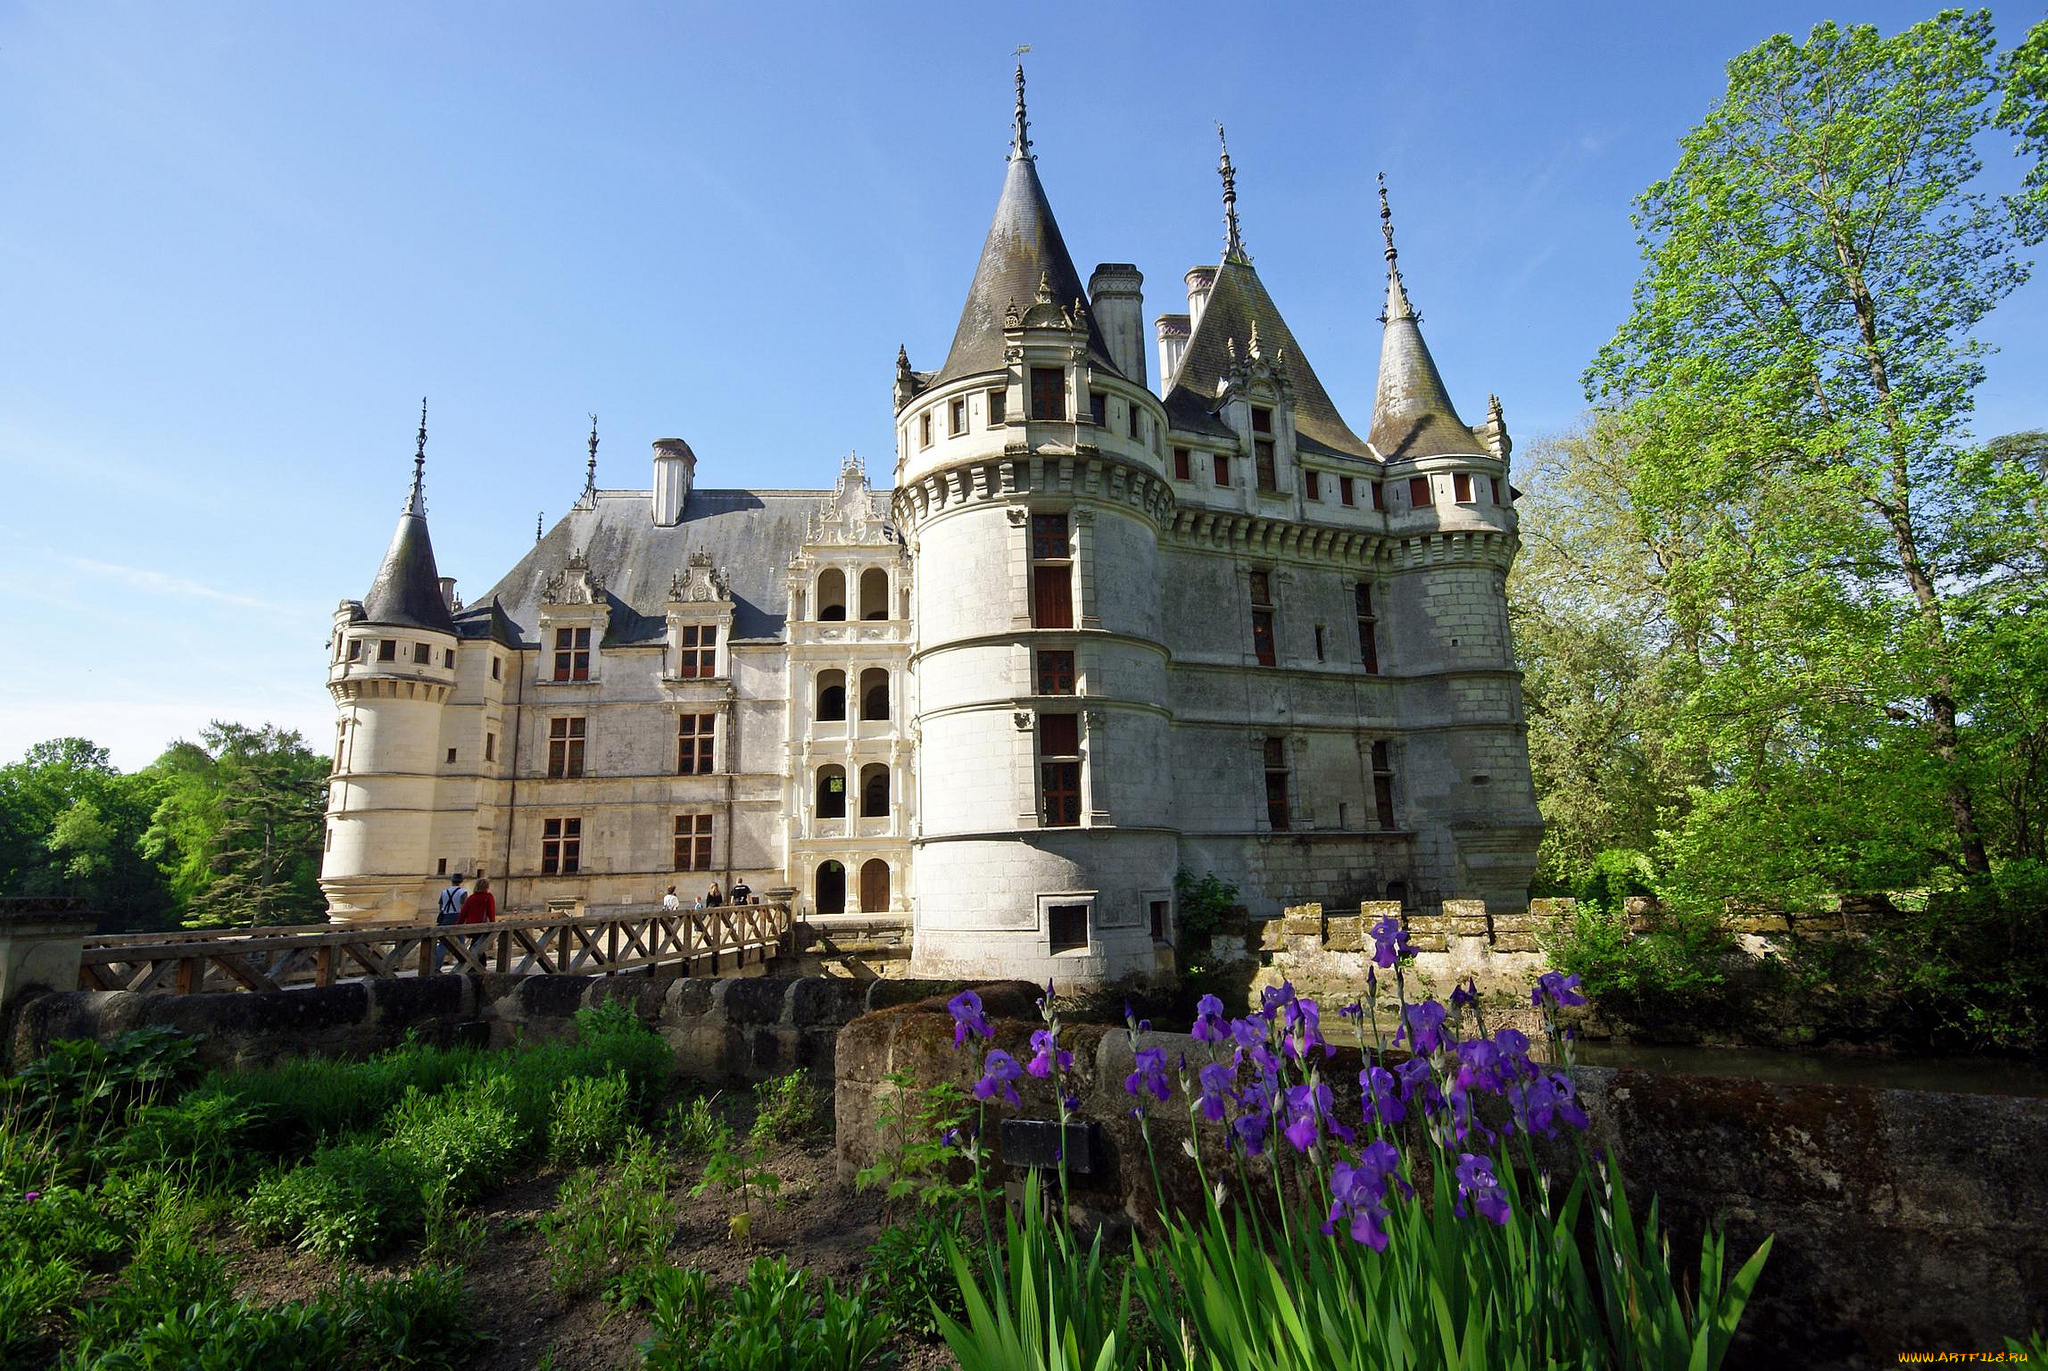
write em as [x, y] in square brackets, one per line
[590, 1119]
[420, 1320]
[227, 1335]
[70, 824]
[170, 1272]
[911, 1269]
[607, 1222]
[915, 1157]
[1201, 907]
[2024, 112]
[354, 1200]
[787, 1108]
[34, 1292]
[696, 1129]
[464, 1138]
[238, 827]
[1612, 876]
[66, 1107]
[1676, 964]
[775, 1319]
[739, 1168]
[202, 1138]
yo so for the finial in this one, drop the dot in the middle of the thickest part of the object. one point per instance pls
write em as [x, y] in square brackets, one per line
[1233, 241]
[1397, 292]
[1386, 219]
[416, 501]
[1044, 287]
[590, 467]
[1020, 141]
[537, 514]
[1253, 346]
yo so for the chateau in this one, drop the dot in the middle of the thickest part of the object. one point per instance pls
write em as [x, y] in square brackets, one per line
[1094, 635]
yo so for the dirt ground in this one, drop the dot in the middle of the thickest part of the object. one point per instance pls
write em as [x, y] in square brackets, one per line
[814, 1222]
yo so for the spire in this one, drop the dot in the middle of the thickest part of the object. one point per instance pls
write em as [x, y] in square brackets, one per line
[1020, 141]
[590, 467]
[1233, 242]
[1412, 413]
[407, 591]
[1023, 247]
[537, 514]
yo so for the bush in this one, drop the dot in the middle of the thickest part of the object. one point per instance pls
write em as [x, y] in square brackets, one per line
[695, 1129]
[421, 1320]
[465, 1136]
[767, 1321]
[1612, 876]
[170, 1272]
[913, 1274]
[787, 1108]
[1201, 906]
[227, 1335]
[202, 1139]
[605, 1224]
[354, 1200]
[591, 1119]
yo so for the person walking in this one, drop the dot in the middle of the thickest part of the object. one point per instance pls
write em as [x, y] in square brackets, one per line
[480, 908]
[712, 897]
[742, 893]
[449, 911]
[669, 903]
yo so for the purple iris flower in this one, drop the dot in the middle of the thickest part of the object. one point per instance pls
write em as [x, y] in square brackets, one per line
[1477, 1183]
[998, 1075]
[1542, 1104]
[1308, 1112]
[1209, 1023]
[1150, 1075]
[1424, 1027]
[1046, 1045]
[1217, 1082]
[1354, 1010]
[1274, 998]
[1418, 1085]
[1464, 994]
[1304, 1021]
[1559, 989]
[1250, 1129]
[1247, 1034]
[1382, 1095]
[1389, 943]
[1361, 1193]
[967, 1018]
[950, 1138]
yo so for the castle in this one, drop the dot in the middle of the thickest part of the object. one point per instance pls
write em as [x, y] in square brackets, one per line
[1094, 636]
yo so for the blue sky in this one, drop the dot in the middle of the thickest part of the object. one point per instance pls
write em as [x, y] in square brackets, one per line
[241, 241]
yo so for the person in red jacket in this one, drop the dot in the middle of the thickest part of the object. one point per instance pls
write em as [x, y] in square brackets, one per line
[482, 906]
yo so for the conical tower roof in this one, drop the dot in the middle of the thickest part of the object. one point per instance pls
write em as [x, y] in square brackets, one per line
[407, 591]
[1023, 246]
[1412, 413]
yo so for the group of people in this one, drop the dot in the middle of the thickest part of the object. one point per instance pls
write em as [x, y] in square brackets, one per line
[459, 906]
[741, 893]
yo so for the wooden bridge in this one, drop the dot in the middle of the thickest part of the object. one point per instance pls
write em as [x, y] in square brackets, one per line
[709, 941]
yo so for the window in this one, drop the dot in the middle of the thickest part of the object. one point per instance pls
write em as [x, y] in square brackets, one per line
[1319, 642]
[1379, 496]
[1048, 393]
[490, 747]
[1347, 493]
[1131, 419]
[1052, 572]
[451, 756]
[1067, 925]
[1276, 784]
[1262, 460]
[956, 417]
[924, 429]
[497, 668]
[1222, 471]
[1157, 909]
[565, 748]
[1055, 673]
[422, 655]
[1368, 629]
[874, 593]
[1183, 465]
[699, 651]
[695, 734]
[1262, 617]
[831, 697]
[1418, 492]
[1312, 484]
[693, 842]
[832, 595]
[874, 693]
[1461, 488]
[441, 867]
[561, 847]
[1098, 408]
[874, 791]
[1383, 784]
[1262, 419]
[996, 399]
[831, 792]
[448, 659]
[572, 654]
[387, 650]
[1059, 770]
[355, 649]
[1492, 491]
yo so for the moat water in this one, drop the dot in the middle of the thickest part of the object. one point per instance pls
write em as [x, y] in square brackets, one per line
[1956, 1075]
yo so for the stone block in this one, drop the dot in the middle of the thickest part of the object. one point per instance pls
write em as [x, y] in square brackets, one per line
[1303, 921]
[762, 1000]
[1515, 942]
[1555, 908]
[817, 1001]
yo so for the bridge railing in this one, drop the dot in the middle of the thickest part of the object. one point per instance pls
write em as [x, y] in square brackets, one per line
[701, 941]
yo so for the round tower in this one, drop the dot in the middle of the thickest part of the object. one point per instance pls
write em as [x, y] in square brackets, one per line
[391, 671]
[1030, 487]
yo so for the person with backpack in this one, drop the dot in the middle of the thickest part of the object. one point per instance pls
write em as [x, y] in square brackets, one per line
[449, 911]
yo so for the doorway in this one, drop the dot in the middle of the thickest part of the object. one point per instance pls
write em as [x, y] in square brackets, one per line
[831, 889]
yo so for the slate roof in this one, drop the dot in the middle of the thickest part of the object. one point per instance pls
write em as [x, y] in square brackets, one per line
[1236, 301]
[407, 590]
[1412, 413]
[1023, 243]
[750, 534]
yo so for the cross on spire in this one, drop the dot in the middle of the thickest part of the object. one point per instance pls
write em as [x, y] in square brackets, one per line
[1020, 141]
[1233, 241]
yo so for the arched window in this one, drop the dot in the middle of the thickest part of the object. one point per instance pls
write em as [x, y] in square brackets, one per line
[831, 792]
[832, 696]
[830, 891]
[874, 886]
[832, 594]
[874, 693]
[874, 593]
[874, 791]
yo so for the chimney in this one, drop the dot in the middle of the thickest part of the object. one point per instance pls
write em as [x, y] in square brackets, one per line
[448, 593]
[675, 466]
[1116, 293]
[1201, 280]
[1173, 330]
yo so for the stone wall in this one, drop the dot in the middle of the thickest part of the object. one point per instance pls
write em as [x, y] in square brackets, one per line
[719, 1028]
[1904, 1220]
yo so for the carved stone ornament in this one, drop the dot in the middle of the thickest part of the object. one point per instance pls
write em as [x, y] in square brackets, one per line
[1085, 518]
[574, 584]
[846, 517]
[1022, 718]
[699, 582]
[1096, 718]
[1018, 516]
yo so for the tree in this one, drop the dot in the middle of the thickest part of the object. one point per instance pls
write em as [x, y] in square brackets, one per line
[70, 824]
[2024, 111]
[238, 829]
[1798, 368]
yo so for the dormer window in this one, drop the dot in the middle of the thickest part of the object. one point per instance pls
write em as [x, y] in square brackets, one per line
[1048, 393]
[1266, 465]
[697, 654]
[1262, 419]
[572, 654]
